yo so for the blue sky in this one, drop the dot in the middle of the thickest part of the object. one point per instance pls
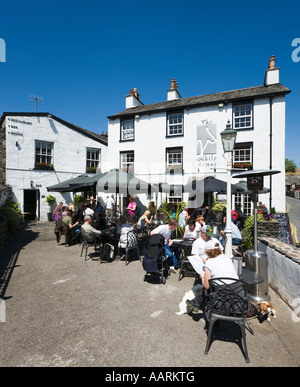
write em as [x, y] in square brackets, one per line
[82, 57]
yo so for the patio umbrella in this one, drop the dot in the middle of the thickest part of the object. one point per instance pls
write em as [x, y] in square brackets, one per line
[211, 184]
[76, 184]
[120, 182]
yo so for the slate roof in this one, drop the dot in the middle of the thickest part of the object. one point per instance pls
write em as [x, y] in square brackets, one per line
[207, 99]
[97, 137]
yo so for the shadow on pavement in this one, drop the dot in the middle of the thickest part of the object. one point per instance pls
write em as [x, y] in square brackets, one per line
[9, 257]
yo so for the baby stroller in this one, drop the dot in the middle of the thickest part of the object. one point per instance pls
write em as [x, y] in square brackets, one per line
[154, 260]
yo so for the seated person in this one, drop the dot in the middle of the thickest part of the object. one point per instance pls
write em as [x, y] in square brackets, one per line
[191, 229]
[236, 235]
[199, 245]
[88, 211]
[92, 235]
[170, 250]
[145, 220]
[218, 265]
[70, 236]
[122, 229]
[200, 222]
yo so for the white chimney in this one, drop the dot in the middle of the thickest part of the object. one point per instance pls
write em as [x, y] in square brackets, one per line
[173, 92]
[133, 99]
[272, 73]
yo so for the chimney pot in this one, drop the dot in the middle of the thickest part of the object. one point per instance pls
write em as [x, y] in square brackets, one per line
[173, 84]
[272, 62]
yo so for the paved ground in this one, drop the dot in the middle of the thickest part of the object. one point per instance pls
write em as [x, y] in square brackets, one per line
[64, 312]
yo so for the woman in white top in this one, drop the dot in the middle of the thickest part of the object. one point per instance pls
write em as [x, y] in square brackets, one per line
[217, 265]
[191, 229]
[145, 220]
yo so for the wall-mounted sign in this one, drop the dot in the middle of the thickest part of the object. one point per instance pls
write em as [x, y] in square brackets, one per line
[206, 146]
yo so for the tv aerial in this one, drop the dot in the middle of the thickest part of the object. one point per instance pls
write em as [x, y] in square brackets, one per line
[37, 100]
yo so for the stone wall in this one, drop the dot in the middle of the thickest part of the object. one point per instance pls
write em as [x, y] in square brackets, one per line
[283, 269]
[270, 229]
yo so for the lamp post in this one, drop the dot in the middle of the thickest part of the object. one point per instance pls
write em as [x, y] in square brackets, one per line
[228, 137]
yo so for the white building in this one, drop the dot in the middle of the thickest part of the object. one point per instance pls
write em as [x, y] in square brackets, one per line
[183, 135]
[39, 150]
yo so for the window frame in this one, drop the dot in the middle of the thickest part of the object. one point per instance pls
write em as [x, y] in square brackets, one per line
[40, 155]
[251, 115]
[170, 113]
[243, 146]
[98, 166]
[122, 121]
[177, 167]
[131, 152]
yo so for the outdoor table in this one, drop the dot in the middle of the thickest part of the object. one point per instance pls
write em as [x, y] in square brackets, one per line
[251, 277]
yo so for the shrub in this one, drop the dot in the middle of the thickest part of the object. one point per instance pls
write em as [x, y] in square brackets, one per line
[10, 211]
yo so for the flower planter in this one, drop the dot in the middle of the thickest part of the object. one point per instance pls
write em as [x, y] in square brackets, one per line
[248, 166]
[44, 166]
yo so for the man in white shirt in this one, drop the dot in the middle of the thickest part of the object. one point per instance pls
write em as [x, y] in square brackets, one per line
[88, 211]
[110, 206]
[198, 247]
[171, 251]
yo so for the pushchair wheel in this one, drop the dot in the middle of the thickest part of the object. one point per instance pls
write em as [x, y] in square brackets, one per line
[163, 280]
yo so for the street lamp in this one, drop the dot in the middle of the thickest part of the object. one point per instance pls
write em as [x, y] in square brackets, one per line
[228, 137]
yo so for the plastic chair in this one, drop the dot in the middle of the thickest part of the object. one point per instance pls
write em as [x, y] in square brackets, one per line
[86, 244]
[227, 302]
[132, 244]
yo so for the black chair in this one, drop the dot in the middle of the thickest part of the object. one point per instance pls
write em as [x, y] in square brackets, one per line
[227, 302]
[86, 244]
[186, 269]
[132, 244]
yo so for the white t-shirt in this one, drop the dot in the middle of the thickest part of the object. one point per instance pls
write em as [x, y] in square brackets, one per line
[163, 230]
[89, 212]
[110, 203]
[221, 266]
[189, 231]
[198, 247]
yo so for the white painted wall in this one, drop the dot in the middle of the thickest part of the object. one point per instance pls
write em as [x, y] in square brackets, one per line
[151, 142]
[69, 156]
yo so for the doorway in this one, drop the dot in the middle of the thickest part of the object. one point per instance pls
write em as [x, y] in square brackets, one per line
[30, 203]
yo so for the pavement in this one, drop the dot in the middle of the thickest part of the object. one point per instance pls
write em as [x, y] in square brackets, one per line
[63, 311]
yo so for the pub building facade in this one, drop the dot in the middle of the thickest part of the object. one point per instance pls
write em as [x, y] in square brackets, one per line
[179, 140]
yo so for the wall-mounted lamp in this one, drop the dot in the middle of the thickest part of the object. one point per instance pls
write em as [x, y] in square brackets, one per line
[31, 183]
[17, 144]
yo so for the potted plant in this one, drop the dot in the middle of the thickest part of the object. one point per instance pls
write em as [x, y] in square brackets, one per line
[50, 200]
[77, 200]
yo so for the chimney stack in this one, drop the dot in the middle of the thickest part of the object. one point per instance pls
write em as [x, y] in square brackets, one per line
[272, 73]
[133, 99]
[173, 94]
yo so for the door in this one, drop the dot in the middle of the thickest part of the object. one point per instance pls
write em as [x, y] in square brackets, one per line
[30, 203]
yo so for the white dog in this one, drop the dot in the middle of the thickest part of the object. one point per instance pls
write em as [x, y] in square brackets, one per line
[190, 295]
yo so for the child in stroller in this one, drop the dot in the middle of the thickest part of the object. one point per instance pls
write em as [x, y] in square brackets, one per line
[154, 260]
